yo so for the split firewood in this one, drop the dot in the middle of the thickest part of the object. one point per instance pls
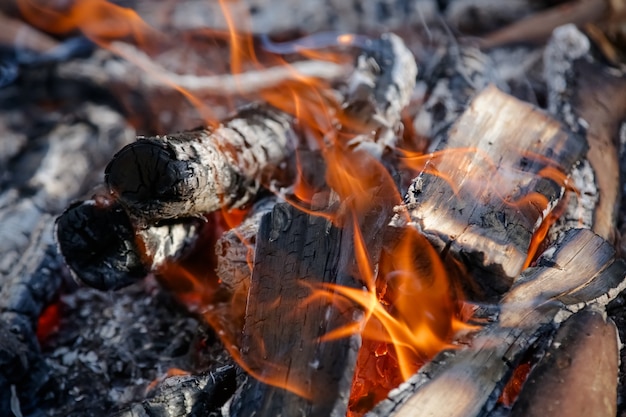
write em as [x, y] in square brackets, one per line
[578, 374]
[186, 395]
[40, 183]
[487, 189]
[479, 370]
[282, 330]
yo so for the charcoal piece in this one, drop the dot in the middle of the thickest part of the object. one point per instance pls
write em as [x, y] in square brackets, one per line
[187, 396]
[192, 173]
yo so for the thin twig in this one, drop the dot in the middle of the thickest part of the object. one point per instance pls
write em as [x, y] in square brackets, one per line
[227, 84]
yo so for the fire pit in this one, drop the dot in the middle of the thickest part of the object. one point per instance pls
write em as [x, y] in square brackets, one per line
[381, 209]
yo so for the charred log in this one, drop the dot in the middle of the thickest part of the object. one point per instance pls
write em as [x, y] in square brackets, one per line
[588, 96]
[196, 172]
[304, 251]
[103, 250]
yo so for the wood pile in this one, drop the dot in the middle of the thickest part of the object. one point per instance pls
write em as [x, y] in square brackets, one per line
[247, 266]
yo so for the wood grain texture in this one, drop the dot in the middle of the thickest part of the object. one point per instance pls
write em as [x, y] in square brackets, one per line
[482, 196]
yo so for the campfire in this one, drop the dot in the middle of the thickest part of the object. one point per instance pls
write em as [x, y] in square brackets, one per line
[223, 208]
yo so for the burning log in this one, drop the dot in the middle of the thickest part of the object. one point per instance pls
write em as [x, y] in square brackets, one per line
[103, 249]
[559, 284]
[505, 192]
[188, 174]
[307, 252]
[542, 294]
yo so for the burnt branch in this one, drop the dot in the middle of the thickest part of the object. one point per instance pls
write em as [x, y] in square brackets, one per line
[102, 248]
[196, 172]
[225, 84]
[189, 395]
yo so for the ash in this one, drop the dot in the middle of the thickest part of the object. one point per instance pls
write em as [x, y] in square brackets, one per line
[111, 346]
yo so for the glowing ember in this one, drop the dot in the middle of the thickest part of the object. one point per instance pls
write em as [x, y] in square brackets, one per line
[514, 386]
[48, 322]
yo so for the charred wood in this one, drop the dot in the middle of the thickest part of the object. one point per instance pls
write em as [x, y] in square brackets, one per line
[162, 79]
[304, 251]
[235, 249]
[196, 172]
[381, 86]
[452, 78]
[588, 96]
[102, 248]
[189, 395]
[468, 200]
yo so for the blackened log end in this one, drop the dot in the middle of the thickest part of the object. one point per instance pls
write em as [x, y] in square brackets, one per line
[146, 175]
[98, 244]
